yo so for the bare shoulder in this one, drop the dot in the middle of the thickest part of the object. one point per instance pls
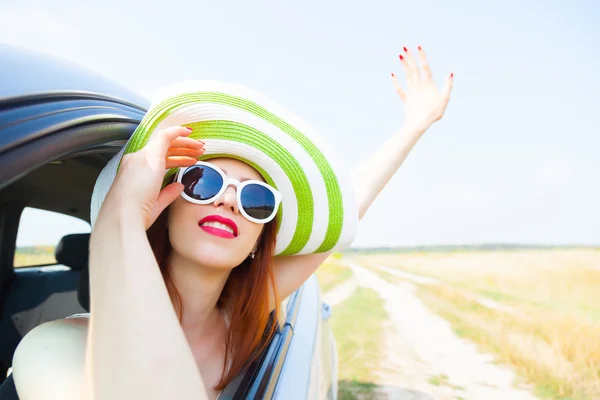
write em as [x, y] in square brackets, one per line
[49, 361]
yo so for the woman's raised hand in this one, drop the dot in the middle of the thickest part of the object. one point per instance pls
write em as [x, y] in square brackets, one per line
[424, 103]
[137, 185]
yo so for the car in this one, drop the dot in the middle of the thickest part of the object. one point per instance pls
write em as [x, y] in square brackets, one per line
[59, 126]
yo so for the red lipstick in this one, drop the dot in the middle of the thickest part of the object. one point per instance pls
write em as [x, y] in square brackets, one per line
[213, 230]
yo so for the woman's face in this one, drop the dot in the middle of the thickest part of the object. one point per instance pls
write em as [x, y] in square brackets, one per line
[195, 237]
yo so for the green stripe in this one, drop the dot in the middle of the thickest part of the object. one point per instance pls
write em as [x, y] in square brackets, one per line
[161, 111]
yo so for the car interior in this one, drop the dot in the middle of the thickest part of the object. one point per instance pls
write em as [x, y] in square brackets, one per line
[32, 295]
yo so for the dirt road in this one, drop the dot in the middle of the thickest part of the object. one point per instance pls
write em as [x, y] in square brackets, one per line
[425, 359]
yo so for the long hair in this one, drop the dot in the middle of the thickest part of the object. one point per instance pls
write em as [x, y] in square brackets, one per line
[245, 298]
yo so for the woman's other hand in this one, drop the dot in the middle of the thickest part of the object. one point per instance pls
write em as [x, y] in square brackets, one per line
[137, 185]
[424, 103]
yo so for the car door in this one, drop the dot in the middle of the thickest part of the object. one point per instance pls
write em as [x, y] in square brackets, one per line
[300, 363]
[310, 368]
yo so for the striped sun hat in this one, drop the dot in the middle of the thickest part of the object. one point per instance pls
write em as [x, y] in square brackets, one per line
[318, 211]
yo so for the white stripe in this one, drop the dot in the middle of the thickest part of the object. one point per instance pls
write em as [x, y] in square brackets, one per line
[209, 111]
[103, 184]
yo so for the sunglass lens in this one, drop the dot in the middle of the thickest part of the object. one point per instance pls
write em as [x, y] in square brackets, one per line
[201, 182]
[258, 201]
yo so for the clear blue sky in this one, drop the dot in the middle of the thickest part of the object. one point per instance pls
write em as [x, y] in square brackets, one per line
[515, 159]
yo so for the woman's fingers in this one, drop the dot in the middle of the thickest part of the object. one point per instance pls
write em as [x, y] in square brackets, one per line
[446, 90]
[409, 77]
[187, 143]
[165, 197]
[161, 141]
[398, 88]
[183, 151]
[424, 64]
[178, 162]
[411, 65]
[424, 102]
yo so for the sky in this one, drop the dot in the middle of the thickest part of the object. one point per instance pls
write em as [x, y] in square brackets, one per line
[514, 159]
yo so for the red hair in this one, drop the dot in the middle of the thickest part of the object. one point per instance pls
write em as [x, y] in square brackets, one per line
[245, 297]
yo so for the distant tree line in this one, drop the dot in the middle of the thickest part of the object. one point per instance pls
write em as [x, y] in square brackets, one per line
[464, 248]
[36, 250]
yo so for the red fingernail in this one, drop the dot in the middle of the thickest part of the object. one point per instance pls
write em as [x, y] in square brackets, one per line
[393, 74]
[419, 48]
[188, 128]
[452, 75]
[405, 49]
[201, 142]
[401, 58]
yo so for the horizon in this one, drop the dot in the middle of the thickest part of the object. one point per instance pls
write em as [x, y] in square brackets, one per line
[432, 246]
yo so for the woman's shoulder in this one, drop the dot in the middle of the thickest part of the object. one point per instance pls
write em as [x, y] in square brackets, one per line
[49, 362]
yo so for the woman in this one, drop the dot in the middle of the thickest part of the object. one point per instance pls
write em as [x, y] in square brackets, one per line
[263, 188]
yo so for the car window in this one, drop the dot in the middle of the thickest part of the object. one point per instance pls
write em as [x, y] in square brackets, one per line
[40, 232]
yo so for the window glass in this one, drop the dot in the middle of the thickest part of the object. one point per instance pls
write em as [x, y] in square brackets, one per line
[40, 232]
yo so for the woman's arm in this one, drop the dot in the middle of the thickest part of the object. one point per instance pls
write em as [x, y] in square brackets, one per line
[133, 346]
[136, 347]
[370, 177]
[424, 104]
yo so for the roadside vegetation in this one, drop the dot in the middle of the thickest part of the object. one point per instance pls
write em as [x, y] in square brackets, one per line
[357, 324]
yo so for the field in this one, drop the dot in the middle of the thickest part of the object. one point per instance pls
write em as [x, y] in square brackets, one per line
[537, 311]
[332, 273]
[359, 350]
[30, 256]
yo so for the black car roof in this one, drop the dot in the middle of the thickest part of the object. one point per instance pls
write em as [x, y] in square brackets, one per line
[25, 72]
[52, 109]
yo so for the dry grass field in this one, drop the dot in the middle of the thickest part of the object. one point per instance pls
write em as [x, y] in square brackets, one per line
[537, 311]
[332, 272]
[31, 256]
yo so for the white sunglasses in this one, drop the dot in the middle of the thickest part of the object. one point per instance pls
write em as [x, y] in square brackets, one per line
[204, 182]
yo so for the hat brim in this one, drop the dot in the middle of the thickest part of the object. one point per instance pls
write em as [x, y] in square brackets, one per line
[318, 210]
